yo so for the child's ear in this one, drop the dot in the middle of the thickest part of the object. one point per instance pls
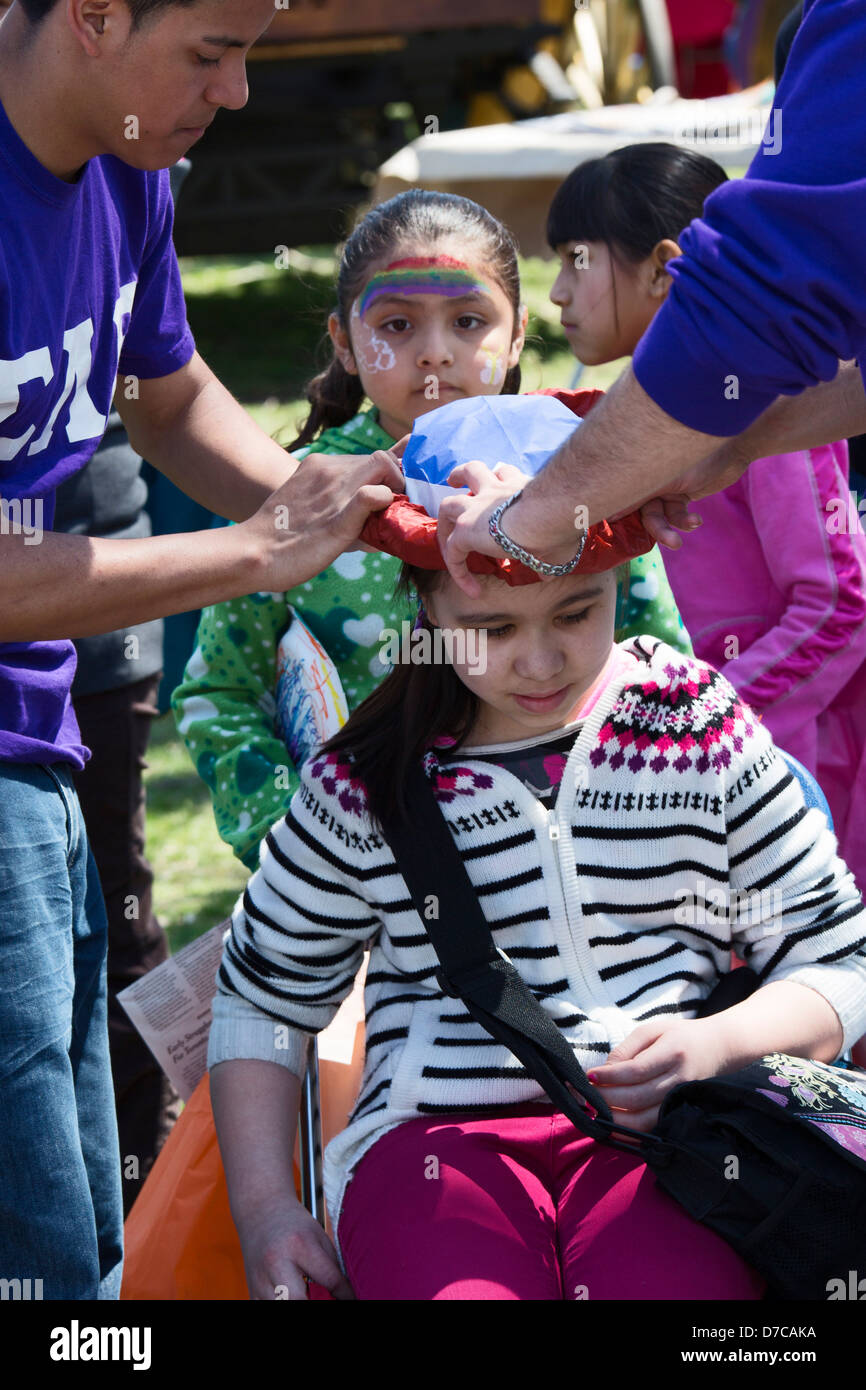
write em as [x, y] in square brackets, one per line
[660, 277]
[519, 339]
[342, 346]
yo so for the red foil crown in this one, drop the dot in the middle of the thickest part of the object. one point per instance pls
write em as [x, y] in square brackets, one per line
[404, 529]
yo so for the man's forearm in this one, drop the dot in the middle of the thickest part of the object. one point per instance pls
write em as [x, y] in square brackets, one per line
[829, 411]
[54, 586]
[206, 443]
[73, 586]
[294, 521]
[626, 450]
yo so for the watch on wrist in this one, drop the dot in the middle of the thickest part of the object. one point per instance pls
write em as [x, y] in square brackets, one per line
[517, 552]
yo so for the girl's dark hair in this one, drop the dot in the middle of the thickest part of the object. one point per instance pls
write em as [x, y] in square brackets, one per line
[391, 729]
[633, 198]
[420, 217]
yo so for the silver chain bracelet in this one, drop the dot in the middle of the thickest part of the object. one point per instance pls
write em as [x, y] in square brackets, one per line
[517, 552]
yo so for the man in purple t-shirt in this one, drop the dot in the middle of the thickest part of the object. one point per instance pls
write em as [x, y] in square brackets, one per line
[98, 98]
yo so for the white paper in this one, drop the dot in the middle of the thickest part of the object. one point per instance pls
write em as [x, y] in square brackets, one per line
[171, 1008]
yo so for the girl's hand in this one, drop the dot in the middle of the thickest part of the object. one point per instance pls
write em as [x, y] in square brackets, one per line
[653, 1059]
[281, 1243]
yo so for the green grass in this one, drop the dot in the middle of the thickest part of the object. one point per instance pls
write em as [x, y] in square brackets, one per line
[261, 329]
[196, 877]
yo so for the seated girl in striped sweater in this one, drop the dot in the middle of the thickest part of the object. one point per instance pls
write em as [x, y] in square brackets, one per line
[600, 796]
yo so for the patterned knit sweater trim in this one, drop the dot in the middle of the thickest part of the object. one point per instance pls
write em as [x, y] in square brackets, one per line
[673, 801]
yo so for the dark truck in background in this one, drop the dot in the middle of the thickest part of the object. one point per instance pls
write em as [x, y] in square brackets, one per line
[337, 86]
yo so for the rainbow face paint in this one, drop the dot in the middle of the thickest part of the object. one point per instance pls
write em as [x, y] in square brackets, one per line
[440, 275]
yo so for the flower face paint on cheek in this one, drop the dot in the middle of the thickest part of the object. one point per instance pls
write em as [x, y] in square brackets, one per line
[372, 353]
[493, 371]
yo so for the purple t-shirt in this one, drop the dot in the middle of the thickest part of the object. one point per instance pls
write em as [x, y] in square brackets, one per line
[89, 287]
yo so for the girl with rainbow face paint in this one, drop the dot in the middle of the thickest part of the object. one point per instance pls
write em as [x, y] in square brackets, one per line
[428, 329]
[429, 310]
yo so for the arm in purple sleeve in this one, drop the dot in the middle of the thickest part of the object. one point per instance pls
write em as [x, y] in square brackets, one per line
[770, 292]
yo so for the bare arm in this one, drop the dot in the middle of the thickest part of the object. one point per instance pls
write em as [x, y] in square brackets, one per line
[829, 411]
[820, 415]
[73, 586]
[262, 1099]
[190, 427]
[781, 1016]
[295, 521]
[255, 1106]
[628, 451]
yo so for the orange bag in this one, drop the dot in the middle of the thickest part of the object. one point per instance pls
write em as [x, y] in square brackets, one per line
[180, 1239]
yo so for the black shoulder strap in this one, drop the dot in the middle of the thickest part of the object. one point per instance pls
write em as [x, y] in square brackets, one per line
[475, 970]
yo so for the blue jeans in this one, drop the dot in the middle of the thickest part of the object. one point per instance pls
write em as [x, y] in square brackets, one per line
[61, 1213]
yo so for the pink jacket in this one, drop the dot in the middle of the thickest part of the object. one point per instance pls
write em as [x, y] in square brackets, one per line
[772, 590]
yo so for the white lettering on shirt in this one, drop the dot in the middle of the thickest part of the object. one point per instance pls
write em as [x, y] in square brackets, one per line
[13, 373]
[85, 421]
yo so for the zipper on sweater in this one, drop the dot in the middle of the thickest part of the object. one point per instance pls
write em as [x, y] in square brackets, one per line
[590, 999]
[598, 1003]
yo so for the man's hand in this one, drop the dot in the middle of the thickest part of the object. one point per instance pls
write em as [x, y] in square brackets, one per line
[464, 521]
[319, 513]
[665, 516]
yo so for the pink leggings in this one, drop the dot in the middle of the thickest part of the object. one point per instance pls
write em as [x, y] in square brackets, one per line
[521, 1206]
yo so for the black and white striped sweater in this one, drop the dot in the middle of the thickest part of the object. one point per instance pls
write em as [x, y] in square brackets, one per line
[673, 800]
